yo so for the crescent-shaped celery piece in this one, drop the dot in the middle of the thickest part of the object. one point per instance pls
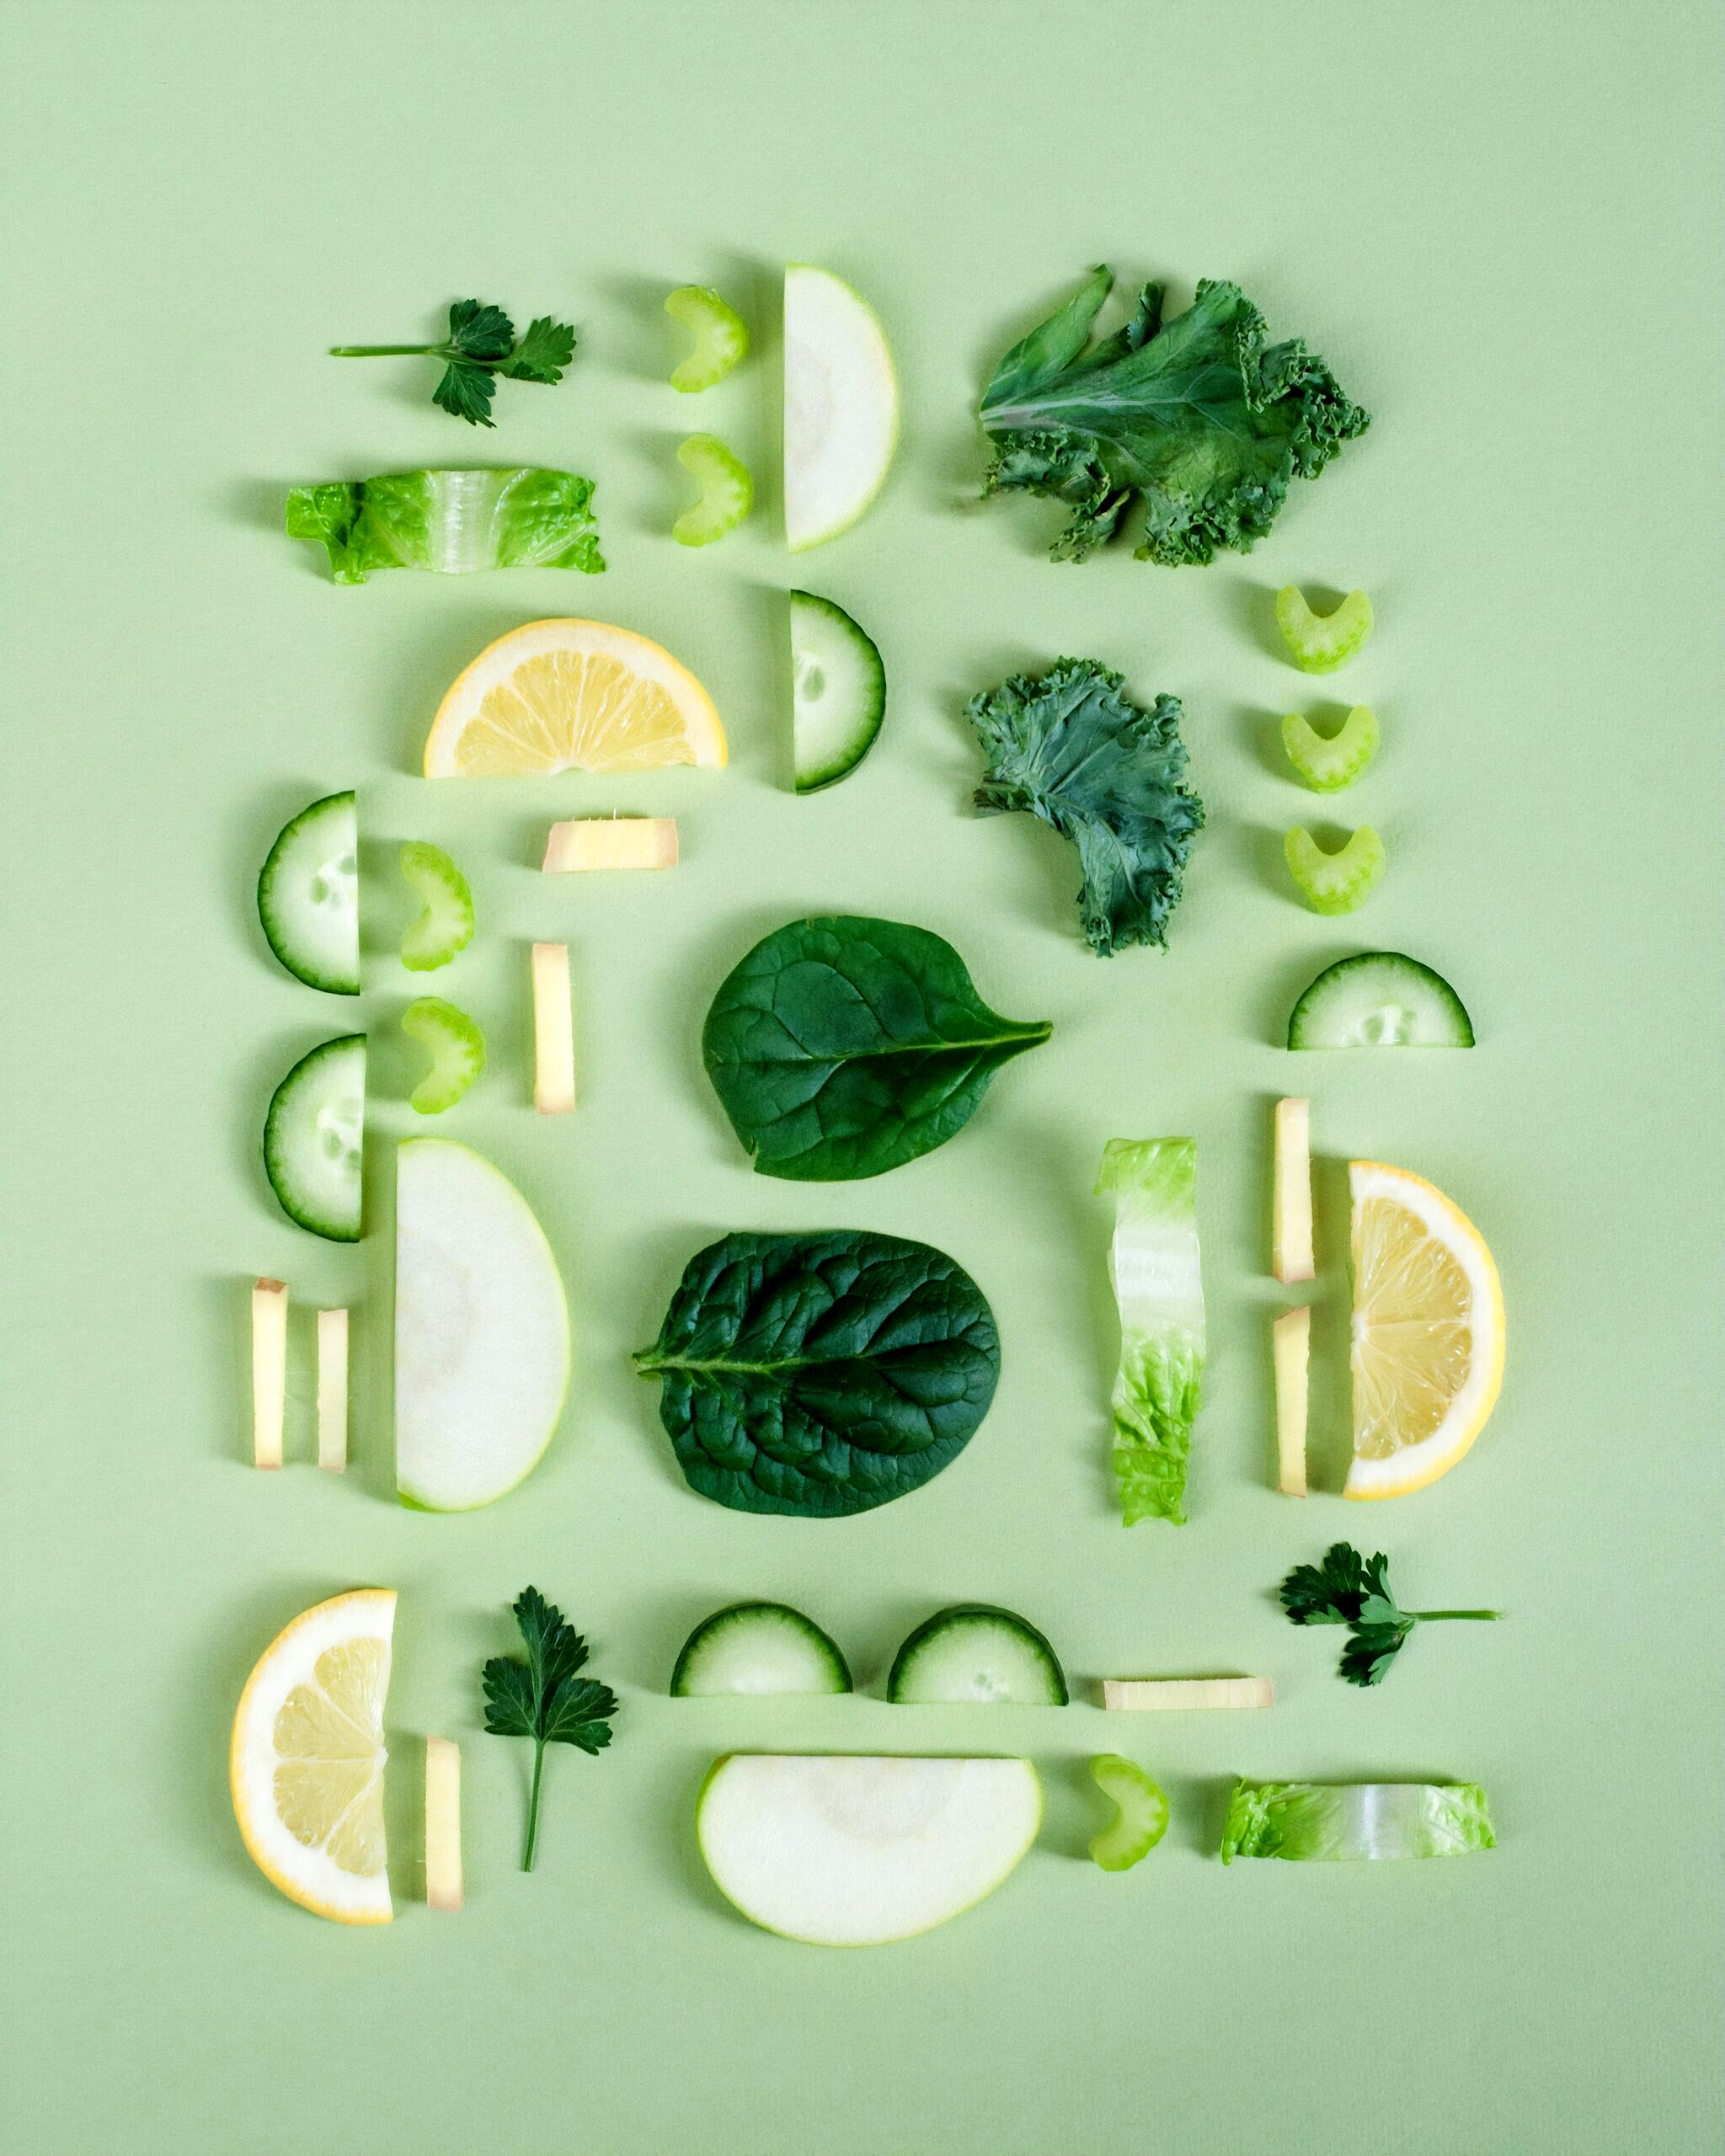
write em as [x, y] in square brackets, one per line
[446, 926]
[1140, 1814]
[456, 1047]
[1327, 762]
[727, 491]
[720, 337]
[1334, 882]
[1318, 643]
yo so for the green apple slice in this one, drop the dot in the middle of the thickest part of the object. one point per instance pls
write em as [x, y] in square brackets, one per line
[841, 406]
[482, 1330]
[853, 1851]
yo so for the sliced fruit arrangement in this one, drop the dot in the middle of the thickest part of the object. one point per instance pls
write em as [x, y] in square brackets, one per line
[1335, 883]
[755, 1647]
[973, 1652]
[269, 1371]
[721, 338]
[306, 1766]
[1427, 1352]
[1328, 762]
[1186, 1694]
[1318, 643]
[1380, 999]
[1140, 1814]
[314, 1140]
[1153, 1263]
[841, 406]
[553, 1030]
[572, 695]
[456, 1047]
[588, 844]
[727, 491]
[838, 691]
[853, 1851]
[445, 927]
[482, 1330]
[1322, 1822]
[308, 895]
[450, 522]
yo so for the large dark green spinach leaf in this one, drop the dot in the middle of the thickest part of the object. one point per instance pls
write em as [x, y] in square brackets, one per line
[821, 1374]
[842, 1046]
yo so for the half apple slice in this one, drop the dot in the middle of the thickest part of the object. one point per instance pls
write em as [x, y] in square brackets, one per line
[841, 406]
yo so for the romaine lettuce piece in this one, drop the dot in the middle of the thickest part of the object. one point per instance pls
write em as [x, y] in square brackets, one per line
[1327, 1822]
[1154, 1266]
[450, 521]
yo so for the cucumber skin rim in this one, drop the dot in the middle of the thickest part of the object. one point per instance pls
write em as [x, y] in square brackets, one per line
[1459, 1009]
[276, 1107]
[829, 773]
[932, 1627]
[265, 880]
[804, 1625]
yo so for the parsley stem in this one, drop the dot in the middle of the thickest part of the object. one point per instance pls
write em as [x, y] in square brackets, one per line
[533, 1805]
[1436, 1616]
[380, 351]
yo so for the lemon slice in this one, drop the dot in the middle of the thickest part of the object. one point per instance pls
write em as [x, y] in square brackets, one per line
[572, 696]
[306, 1764]
[1428, 1354]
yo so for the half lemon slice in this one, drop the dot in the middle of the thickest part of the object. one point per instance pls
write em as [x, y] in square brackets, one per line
[1427, 1352]
[306, 1762]
[572, 696]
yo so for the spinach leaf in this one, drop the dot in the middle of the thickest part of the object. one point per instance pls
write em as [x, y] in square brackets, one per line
[842, 1047]
[821, 1374]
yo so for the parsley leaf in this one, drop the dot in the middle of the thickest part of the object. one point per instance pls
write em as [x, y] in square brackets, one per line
[1349, 1589]
[543, 1697]
[480, 346]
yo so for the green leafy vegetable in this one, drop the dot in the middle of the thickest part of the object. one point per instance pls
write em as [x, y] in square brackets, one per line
[450, 521]
[1072, 747]
[821, 1374]
[1154, 1266]
[543, 1698]
[1201, 416]
[842, 1047]
[1324, 1822]
[481, 345]
[1349, 1589]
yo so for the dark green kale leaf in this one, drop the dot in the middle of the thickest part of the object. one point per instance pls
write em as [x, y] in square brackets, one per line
[1201, 416]
[1072, 747]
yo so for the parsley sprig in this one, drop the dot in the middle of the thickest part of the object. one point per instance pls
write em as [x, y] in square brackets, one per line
[1354, 1591]
[543, 1698]
[481, 345]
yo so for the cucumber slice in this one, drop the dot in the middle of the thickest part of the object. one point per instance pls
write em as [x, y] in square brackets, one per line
[838, 691]
[1140, 1814]
[1318, 643]
[1328, 762]
[308, 895]
[1334, 882]
[1380, 998]
[457, 1050]
[720, 337]
[446, 924]
[973, 1652]
[727, 491]
[758, 1647]
[314, 1136]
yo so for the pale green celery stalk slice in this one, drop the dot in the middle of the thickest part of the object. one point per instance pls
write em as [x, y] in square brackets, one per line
[727, 491]
[446, 926]
[1328, 762]
[1334, 882]
[1153, 1265]
[721, 339]
[1318, 643]
[1140, 1814]
[1326, 1822]
[456, 1047]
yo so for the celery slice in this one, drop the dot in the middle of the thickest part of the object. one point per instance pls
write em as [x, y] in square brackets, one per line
[1334, 882]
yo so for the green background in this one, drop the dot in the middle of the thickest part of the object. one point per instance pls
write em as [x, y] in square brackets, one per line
[1501, 226]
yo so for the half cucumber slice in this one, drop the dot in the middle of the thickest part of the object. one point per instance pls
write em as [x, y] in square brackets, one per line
[838, 691]
[758, 1647]
[1380, 998]
[308, 895]
[314, 1137]
[973, 1652]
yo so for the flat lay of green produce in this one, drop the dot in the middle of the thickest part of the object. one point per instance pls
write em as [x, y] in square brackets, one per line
[822, 1372]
